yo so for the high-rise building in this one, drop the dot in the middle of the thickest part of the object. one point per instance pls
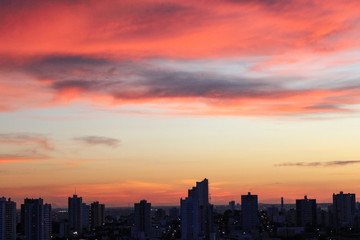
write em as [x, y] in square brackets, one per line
[7, 219]
[85, 216]
[2, 218]
[142, 219]
[97, 214]
[343, 209]
[196, 213]
[189, 214]
[249, 209]
[36, 219]
[306, 212]
[47, 221]
[75, 214]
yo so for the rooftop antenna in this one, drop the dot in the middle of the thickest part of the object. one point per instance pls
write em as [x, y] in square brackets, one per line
[75, 190]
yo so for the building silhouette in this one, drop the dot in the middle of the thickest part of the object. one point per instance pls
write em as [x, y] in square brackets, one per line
[142, 228]
[273, 213]
[97, 214]
[196, 213]
[306, 212]
[174, 213]
[249, 209]
[47, 221]
[7, 219]
[75, 214]
[85, 212]
[232, 205]
[36, 219]
[344, 209]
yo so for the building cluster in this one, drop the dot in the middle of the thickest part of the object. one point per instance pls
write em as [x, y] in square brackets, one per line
[197, 219]
[82, 217]
[35, 220]
[304, 220]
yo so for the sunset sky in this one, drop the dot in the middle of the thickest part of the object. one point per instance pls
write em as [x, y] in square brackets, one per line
[139, 99]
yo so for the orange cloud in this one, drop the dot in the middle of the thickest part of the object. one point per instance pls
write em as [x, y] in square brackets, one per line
[11, 158]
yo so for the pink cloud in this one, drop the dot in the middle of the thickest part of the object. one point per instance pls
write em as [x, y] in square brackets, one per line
[73, 52]
[152, 28]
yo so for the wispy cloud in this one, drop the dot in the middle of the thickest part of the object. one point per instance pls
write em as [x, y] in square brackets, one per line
[31, 139]
[172, 87]
[96, 140]
[318, 164]
[76, 163]
[10, 158]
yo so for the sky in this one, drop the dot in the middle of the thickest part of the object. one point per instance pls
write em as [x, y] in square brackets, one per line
[120, 101]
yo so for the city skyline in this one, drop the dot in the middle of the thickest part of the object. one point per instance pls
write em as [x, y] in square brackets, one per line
[195, 219]
[76, 201]
[130, 100]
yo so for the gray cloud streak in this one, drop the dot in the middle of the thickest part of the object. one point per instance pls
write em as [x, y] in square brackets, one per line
[96, 140]
[318, 164]
[26, 139]
[131, 80]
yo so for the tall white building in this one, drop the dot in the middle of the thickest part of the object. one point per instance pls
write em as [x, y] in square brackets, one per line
[7, 219]
[249, 209]
[196, 213]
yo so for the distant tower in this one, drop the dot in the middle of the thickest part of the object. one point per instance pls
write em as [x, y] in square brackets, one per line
[232, 205]
[97, 211]
[282, 209]
[196, 213]
[7, 219]
[306, 212]
[36, 219]
[75, 213]
[344, 209]
[142, 219]
[249, 208]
